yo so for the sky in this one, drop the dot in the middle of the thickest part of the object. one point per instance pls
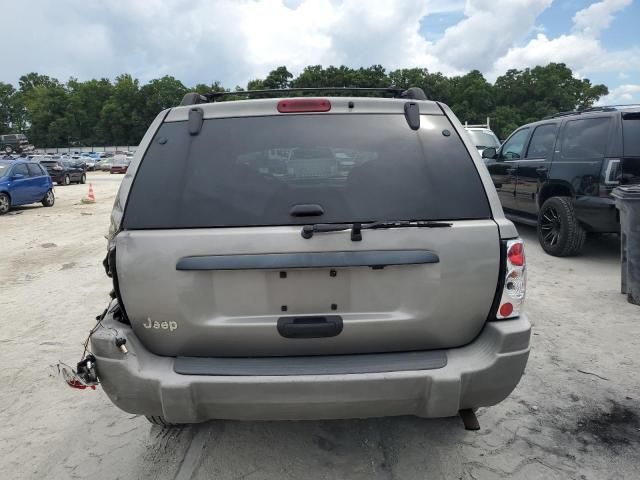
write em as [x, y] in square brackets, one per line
[233, 41]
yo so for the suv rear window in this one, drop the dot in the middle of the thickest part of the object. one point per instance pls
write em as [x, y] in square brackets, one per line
[585, 138]
[251, 171]
[631, 134]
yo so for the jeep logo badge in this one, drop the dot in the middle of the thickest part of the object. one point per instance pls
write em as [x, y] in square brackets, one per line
[171, 326]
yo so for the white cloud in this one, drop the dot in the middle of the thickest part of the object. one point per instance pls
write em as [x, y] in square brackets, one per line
[487, 32]
[596, 17]
[581, 49]
[628, 93]
[236, 40]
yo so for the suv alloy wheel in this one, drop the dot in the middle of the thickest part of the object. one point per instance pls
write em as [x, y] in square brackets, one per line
[559, 230]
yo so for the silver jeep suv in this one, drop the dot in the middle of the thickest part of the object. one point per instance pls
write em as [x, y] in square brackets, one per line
[310, 258]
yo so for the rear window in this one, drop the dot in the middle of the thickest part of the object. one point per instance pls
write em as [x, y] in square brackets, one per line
[585, 138]
[483, 139]
[251, 171]
[631, 134]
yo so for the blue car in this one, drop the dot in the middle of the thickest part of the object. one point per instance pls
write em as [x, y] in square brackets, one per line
[23, 182]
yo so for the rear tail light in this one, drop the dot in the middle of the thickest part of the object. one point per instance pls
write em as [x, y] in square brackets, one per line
[515, 281]
[298, 105]
[610, 176]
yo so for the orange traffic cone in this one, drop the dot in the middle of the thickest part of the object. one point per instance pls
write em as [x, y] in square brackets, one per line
[90, 198]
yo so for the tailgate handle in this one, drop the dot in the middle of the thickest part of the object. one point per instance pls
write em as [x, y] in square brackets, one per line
[310, 327]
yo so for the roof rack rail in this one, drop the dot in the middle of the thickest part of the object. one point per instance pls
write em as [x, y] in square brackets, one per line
[599, 108]
[194, 98]
[479, 125]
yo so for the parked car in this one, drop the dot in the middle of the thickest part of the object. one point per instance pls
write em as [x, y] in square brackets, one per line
[120, 166]
[65, 172]
[15, 142]
[105, 165]
[23, 182]
[386, 287]
[90, 163]
[557, 174]
[483, 138]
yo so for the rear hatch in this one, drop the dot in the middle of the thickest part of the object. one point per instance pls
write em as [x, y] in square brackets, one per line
[51, 166]
[211, 259]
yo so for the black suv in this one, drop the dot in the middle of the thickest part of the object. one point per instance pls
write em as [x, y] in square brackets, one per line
[64, 172]
[15, 143]
[558, 173]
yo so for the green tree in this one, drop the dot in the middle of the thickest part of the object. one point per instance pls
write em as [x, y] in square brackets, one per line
[278, 79]
[46, 106]
[158, 95]
[435, 85]
[541, 91]
[7, 99]
[472, 97]
[120, 121]
[86, 101]
[97, 112]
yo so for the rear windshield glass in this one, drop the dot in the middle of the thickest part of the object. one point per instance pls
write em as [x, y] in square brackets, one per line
[483, 139]
[251, 171]
[631, 134]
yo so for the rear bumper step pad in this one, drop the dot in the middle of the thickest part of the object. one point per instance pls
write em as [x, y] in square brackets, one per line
[312, 365]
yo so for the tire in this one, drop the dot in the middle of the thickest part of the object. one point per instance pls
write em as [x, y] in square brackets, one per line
[83, 178]
[559, 231]
[8, 149]
[49, 199]
[5, 203]
[66, 180]
[160, 421]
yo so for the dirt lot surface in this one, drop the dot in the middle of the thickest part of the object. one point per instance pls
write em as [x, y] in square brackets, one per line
[575, 414]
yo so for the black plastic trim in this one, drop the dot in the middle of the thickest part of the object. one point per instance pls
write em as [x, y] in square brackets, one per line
[310, 326]
[306, 210]
[111, 263]
[368, 258]
[312, 365]
[412, 115]
[493, 313]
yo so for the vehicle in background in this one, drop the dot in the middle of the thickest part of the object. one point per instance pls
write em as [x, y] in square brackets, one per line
[15, 143]
[91, 164]
[482, 138]
[105, 165]
[24, 182]
[120, 165]
[278, 280]
[65, 172]
[557, 174]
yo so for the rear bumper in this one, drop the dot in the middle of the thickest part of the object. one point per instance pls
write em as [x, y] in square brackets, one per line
[479, 374]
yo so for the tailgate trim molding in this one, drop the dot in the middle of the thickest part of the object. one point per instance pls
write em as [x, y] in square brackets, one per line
[312, 365]
[368, 258]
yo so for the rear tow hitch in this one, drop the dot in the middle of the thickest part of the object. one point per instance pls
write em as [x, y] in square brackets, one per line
[469, 419]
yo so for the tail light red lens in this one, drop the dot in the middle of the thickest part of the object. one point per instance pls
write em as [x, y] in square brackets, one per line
[299, 105]
[515, 282]
[515, 254]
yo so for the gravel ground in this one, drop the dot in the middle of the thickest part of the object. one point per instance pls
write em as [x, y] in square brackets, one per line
[575, 414]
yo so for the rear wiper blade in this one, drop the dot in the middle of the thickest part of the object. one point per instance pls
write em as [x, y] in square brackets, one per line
[309, 230]
[356, 228]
